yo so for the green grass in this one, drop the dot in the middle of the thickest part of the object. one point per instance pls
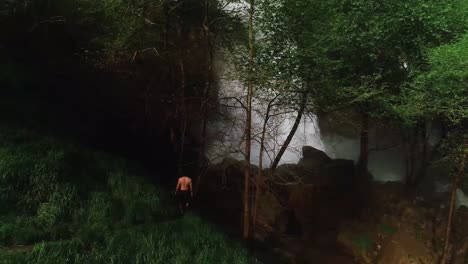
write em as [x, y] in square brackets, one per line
[60, 203]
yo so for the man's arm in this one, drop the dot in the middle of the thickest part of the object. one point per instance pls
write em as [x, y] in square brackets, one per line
[177, 186]
[191, 190]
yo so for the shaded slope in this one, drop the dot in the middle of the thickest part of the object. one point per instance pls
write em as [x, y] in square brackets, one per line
[62, 203]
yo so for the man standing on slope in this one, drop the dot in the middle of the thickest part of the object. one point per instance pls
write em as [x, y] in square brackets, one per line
[184, 192]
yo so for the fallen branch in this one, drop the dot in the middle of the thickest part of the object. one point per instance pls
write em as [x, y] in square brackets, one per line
[50, 20]
[143, 51]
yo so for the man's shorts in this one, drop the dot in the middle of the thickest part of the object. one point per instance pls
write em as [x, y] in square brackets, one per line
[183, 196]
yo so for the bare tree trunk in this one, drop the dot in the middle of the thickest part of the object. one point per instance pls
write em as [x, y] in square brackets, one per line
[206, 92]
[425, 154]
[406, 145]
[416, 146]
[259, 178]
[364, 148]
[201, 155]
[412, 158]
[285, 145]
[363, 181]
[166, 24]
[248, 126]
[181, 111]
[180, 161]
[456, 181]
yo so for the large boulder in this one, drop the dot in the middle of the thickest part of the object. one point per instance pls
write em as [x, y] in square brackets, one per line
[309, 152]
[229, 173]
[270, 215]
[304, 203]
[286, 173]
[312, 158]
[315, 191]
[339, 172]
[316, 168]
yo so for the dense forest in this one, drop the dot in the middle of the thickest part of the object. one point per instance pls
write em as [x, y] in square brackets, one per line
[288, 116]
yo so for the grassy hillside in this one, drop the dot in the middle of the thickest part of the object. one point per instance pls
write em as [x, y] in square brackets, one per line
[61, 203]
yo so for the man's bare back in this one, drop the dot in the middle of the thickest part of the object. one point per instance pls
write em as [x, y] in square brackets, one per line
[184, 184]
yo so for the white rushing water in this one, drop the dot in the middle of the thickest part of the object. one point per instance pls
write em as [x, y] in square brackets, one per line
[228, 131]
[388, 165]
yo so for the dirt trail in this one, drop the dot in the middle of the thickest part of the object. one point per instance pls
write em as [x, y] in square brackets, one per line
[17, 248]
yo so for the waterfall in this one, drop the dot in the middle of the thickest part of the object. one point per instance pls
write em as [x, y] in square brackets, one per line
[227, 133]
[228, 130]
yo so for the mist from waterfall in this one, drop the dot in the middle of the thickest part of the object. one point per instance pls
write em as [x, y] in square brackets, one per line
[228, 131]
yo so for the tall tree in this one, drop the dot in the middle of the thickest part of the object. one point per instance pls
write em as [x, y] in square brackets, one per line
[248, 126]
[456, 182]
[440, 93]
[292, 132]
[206, 91]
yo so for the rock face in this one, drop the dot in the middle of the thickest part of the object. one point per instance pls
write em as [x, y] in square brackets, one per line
[398, 230]
[461, 236]
[316, 168]
[311, 201]
[402, 248]
[298, 199]
[220, 192]
[313, 193]
[312, 158]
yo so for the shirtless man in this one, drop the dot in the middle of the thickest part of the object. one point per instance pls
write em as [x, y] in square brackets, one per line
[184, 186]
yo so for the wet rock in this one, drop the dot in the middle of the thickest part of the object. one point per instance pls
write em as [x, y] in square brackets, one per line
[312, 159]
[286, 173]
[461, 253]
[462, 199]
[354, 243]
[304, 206]
[309, 152]
[338, 172]
[460, 236]
[316, 189]
[402, 248]
[285, 256]
[396, 230]
[270, 214]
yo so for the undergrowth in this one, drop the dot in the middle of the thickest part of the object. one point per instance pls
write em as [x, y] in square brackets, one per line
[61, 203]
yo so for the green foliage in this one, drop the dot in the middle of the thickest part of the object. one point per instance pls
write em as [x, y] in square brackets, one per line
[361, 53]
[442, 91]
